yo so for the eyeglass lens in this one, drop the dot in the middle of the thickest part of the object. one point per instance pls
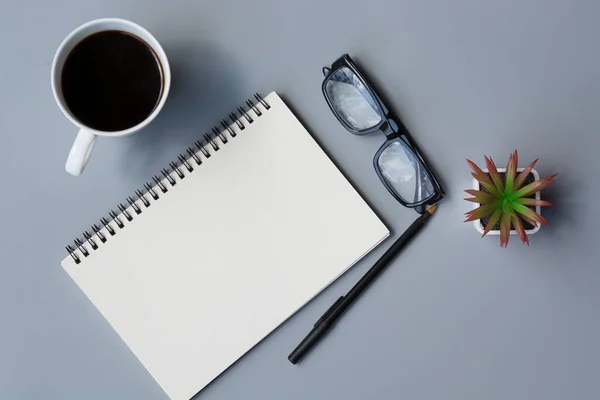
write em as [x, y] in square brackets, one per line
[404, 173]
[352, 100]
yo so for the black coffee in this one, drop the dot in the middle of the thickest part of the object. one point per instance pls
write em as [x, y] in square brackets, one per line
[111, 81]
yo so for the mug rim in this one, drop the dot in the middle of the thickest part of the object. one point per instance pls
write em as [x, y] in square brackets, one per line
[155, 46]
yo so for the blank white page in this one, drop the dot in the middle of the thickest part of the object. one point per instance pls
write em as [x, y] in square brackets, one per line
[229, 253]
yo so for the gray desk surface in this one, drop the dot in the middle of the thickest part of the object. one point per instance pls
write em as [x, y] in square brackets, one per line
[455, 317]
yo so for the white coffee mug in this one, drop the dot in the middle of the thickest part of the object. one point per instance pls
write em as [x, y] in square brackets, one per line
[86, 138]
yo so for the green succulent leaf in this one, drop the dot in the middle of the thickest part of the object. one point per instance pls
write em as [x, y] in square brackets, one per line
[511, 171]
[518, 225]
[483, 178]
[480, 212]
[504, 229]
[479, 201]
[494, 174]
[530, 214]
[533, 202]
[528, 220]
[492, 221]
[534, 187]
[481, 197]
[489, 186]
[523, 175]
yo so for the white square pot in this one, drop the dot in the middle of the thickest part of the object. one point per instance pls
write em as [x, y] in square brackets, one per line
[538, 209]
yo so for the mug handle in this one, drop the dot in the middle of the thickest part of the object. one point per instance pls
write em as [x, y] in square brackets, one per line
[80, 152]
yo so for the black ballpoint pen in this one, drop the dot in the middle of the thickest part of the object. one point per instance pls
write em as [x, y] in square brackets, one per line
[325, 323]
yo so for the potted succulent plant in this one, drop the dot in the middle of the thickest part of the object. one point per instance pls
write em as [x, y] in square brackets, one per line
[507, 200]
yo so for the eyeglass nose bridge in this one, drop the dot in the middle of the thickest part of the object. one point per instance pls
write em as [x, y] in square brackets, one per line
[390, 128]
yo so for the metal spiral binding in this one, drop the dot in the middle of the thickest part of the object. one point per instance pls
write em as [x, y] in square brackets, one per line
[210, 140]
[228, 128]
[158, 186]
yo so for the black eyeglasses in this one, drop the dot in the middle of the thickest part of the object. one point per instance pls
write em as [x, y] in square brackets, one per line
[398, 163]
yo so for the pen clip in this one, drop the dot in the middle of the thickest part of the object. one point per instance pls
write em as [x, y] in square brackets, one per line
[330, 310]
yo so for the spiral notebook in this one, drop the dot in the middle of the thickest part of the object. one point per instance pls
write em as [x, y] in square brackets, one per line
[250, 224]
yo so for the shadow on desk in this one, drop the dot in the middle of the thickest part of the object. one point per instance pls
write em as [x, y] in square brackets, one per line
[205, 82]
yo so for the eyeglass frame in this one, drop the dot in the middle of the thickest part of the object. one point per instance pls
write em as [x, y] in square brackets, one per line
[391, 126]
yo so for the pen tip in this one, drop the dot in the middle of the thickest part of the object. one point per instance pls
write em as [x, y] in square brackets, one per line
[432, 209]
